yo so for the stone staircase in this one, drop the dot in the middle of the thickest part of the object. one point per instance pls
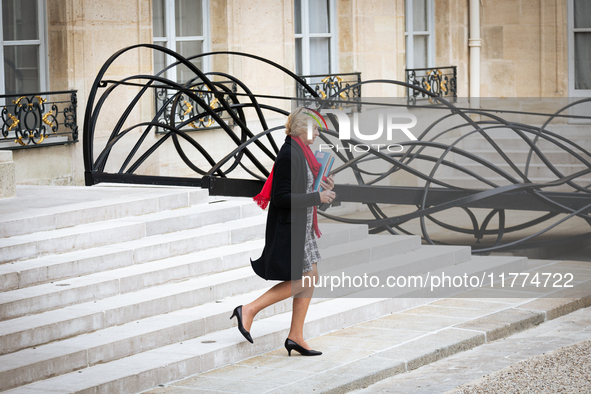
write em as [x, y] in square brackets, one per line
[517, 150]
[119, 295]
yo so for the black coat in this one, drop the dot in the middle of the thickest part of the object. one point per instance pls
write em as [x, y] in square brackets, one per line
[285, 233]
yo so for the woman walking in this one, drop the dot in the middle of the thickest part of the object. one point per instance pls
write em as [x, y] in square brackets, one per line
[290, 251]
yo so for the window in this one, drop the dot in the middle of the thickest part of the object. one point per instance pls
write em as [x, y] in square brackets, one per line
[580, 45]
[23, 47]
[419, 33]
[181, 26]
[579, 57]
[315, 38]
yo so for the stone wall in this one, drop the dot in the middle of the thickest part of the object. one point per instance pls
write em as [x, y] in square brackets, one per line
[524, 48]
[263, 28]
[7, 175]
[82, 35]
[524, 54]
[371, 41]
[451, 39]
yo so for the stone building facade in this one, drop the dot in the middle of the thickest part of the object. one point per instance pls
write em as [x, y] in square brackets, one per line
[528, 48]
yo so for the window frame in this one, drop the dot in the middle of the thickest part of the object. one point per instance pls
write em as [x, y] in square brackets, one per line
[576, 94]
[573, 92]
[171, 38]
[410, 33]
[305, 36]
[41, 42]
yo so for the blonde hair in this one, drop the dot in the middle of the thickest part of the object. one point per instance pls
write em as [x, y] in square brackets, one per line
[297, 122]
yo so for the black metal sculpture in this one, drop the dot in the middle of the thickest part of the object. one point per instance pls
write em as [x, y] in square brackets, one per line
[437, 195]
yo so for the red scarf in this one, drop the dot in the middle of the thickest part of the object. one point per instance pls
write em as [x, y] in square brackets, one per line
[262, 199]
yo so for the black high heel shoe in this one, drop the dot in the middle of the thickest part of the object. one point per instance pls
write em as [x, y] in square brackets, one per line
[291, 345]
[238, 314]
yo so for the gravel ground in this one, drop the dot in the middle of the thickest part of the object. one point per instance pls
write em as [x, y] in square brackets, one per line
[564, 370]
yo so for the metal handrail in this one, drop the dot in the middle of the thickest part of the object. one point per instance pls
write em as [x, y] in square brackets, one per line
[32, 121]
[436, 82]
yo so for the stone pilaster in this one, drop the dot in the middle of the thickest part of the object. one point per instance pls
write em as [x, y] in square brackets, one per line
[7, 175]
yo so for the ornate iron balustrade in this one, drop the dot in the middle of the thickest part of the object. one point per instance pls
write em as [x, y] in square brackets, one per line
[38, 119]
[518, 191]
[439, 81]
[172, 103]
[338, 87]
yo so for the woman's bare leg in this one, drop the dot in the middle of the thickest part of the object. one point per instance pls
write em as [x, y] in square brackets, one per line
[280, 292]
[277, 293]
[301, 302]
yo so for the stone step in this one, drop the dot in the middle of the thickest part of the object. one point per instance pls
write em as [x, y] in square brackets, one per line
[118, 307]
[471, 183]
[49, 296]
[42, 269]
[480, 143]
[147, 369]
[104, 203]
[97, 286]
[113, 341]
[481, 266]
[419, 261]
[340, 234]
[376, 248]
[25, 273]
[179, 359]
[197, 216]
[22, 274]
[520, 156]
[131, 338]
[121, 341]
[572, 132]
[27, 246]
[361, 355]
[119, 230]
[536, 170]
[484, 264]
[136, 336]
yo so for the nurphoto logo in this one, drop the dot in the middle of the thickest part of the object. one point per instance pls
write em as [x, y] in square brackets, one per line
[389, 121]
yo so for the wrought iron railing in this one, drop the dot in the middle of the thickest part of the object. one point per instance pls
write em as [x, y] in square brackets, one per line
[38, 119]
[344, 87]
[439, 81]
[434, 149]
[173, 107]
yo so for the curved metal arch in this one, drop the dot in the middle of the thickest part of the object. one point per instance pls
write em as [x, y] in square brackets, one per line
[543, 127]
[532, 147]
[196, 118]
[231, 103]
[532, 187]
[464, 200]
[90, 120]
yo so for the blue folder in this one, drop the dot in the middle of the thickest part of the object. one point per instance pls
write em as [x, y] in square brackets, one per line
[326, 162]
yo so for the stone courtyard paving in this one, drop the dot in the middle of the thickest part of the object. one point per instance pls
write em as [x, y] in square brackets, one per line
[565, 370]
[427, 349]
[518, 363]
